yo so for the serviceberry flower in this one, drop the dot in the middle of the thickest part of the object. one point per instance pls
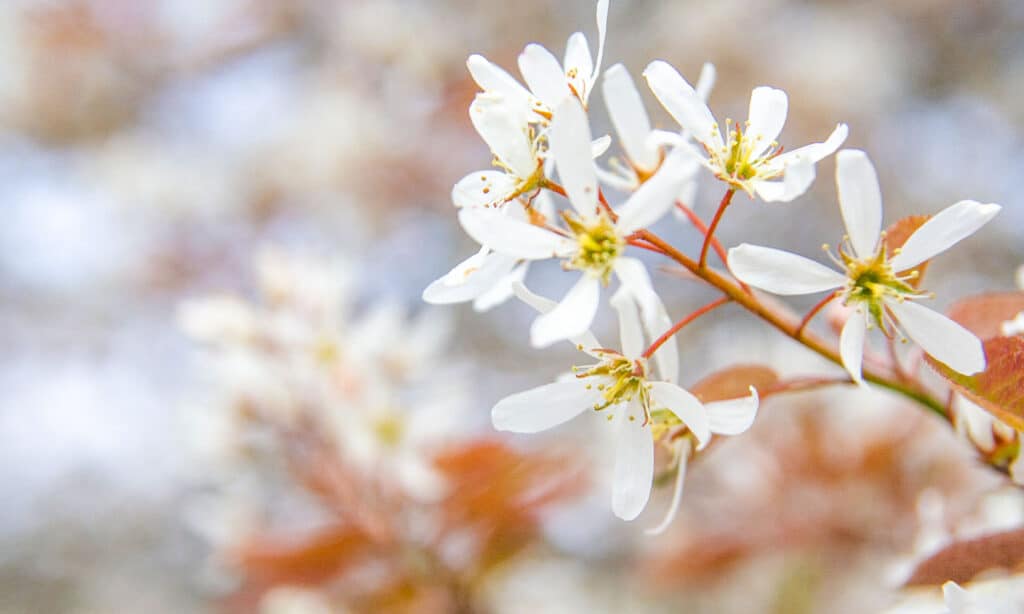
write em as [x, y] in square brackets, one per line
[747, 157]
[621, 385]
[875, 282]
[593, 239]
[549, 81]
[642, 146]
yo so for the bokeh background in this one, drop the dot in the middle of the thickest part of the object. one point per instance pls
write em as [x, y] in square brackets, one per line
[149, 150]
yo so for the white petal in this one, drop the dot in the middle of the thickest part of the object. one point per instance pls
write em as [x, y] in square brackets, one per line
[543, 407]
[683, 454]
[733, 416]
[631, 334]
[634, 464]
[483, 188]
[570, 143]
[501, 291]
[572, 317]
[626, 110]
[706, 80]
[602, 30]
[492, 78]
[815, 152]
[599, 146]
[683, 102]
[947, 228]
[957, 600]
[657, 322]
[768, 109]
[799, 175]
[781, 272]
[577, 55]
[469, 279]
[851, 344]
[860, 200]
[586, 341]
[507, 235]
[686, 407]
[543, 74]
[507, 137]
[656, 196]
[633, 275]
[944, 339]
[634, 278]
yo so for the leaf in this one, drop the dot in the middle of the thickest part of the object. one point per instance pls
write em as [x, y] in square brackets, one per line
[984, 314]
[734, 382]
[999, 389]
[962, 561]
[898, 233]
[309, 559]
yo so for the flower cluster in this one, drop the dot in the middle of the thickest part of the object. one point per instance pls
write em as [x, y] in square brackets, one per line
[545, 199]
[336, 442]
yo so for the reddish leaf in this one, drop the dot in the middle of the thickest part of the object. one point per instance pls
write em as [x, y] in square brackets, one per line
[962, 561]
[999, 389]
[984, 314]
[898, 233]
[308, 560]
[733, 382]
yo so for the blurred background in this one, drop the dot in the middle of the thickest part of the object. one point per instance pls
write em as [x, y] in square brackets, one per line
[283, 153]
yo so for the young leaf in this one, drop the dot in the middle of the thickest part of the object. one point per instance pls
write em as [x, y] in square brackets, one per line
[999, 389]
[898, 233]
[734, 382]
[984, 314]
[961, 561]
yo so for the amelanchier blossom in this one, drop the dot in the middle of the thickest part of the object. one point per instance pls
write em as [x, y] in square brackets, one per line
[643, 147]
[874, 281]
[549, 81]
[593, 240]
[623, 387]
[746, 157]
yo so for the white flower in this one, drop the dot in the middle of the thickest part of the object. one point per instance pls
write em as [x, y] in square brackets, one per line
[641, 144]
[748, 157]
[592, 243]
[872, 282]
[619, 385]
[549, 81]
[518, 151]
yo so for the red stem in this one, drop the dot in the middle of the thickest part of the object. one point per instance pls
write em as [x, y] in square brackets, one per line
[814, 310]
[702, 228]
[726, 199]
[681, 323]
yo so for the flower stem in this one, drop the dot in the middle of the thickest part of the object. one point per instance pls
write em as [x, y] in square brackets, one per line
[785, 323]
[681, 323]
[702, 228]
[814, 310]
[726, 199]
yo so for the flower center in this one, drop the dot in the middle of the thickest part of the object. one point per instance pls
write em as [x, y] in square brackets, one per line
[599, 244]
[389, 430]
[742, 157]
[621, 379]
[871, 280]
